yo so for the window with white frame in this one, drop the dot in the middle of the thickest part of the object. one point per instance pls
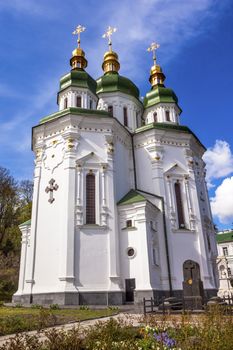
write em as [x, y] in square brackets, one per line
[65, 103]
[90, 199]
[78, 101]
[179, 205]
[225, 251]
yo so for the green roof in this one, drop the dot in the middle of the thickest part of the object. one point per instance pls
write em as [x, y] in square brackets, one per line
[26, 223]
[132, 197]
[76, 111]
[167, 126]
[78, 78]
[224, 237]
[159, 94]
[112, 82]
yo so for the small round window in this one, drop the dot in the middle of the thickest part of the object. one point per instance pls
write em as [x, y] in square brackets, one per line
[130, 252]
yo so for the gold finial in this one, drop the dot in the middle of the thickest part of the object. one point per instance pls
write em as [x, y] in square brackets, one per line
[79, 29]
[108, 34]
[153, 47]
[111, 63]
[156, 75]
[78, 60]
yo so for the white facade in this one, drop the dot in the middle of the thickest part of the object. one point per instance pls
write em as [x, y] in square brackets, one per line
[225, 263]
[136, 239]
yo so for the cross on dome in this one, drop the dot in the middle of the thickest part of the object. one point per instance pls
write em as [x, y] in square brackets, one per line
[108, 34]
[153, 47]
[79, 29]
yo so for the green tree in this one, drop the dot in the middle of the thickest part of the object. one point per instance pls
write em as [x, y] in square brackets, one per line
[9, 202]
[15, 208]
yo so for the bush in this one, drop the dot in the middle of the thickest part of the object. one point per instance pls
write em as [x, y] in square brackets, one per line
[54, 307]
[84, 307]
[36, 306]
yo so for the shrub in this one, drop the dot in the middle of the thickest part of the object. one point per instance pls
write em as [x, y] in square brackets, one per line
[84, 307]
[54, 307]
[36, 306]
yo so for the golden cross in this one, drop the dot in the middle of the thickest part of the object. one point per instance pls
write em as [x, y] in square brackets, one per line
[153, 47]
[79, 29]
[108, 34]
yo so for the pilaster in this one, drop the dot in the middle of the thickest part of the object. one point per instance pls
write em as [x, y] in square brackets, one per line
[66, 269]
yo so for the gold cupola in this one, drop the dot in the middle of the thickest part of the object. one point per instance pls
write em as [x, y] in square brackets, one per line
[78, 60]
[110, 63]
[156, 74]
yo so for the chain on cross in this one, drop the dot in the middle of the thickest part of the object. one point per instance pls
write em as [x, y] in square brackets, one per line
[50, 189]
[153, 47]
[108, 34]
[79, 29]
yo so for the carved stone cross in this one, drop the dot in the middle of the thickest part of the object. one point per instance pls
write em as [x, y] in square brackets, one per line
[50, 189]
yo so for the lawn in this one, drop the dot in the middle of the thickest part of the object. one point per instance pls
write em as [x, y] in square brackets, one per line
[20, 319]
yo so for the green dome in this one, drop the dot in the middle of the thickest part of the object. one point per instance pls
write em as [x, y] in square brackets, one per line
[79, 78]
[112, 82]
[159, 94]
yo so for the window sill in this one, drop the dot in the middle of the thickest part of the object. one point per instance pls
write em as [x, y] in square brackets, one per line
[93, 226]
[131, 228]
[183, 230]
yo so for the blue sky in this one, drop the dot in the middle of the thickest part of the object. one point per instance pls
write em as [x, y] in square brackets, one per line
[196, 55]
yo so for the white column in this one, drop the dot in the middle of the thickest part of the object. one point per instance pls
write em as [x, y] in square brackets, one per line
[186, 182]
[67, 239]
[103, 187]
[170, 195]
[73, 95]
[79, 185]
[25, 230]
[30, 266]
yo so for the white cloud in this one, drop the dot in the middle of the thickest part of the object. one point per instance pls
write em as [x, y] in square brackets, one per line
[219, 161]
[171, 23]
[222, 202]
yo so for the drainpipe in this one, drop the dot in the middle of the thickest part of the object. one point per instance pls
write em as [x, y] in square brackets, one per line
[164, 217]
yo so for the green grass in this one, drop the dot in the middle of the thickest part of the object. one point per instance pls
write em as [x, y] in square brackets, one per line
[15, 320]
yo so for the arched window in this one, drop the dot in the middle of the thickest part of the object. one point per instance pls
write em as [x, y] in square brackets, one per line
[179, 205]
[125, 116]
[155, 118]
[78, 101]
[167, 114]
[65, 103]
[90, 198]
[110, 110]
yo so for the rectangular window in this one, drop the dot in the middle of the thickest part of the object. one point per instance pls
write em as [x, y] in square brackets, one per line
[168, 116]
[110, 110]
[129, 223]
[90, 198]
[229, 271]
[78, 101]
[125, 116]
[179, 205]
[225, 251]
[91, 103]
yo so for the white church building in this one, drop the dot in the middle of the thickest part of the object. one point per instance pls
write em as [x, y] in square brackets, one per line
[120, 205]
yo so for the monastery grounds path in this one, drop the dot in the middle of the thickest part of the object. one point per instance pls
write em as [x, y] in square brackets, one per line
[134, 320]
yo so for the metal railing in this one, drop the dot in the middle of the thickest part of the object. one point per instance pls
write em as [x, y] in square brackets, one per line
[192, 303]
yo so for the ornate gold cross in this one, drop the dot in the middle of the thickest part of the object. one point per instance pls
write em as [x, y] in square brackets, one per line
[108, 34]
[153, 47]
[79, 29]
